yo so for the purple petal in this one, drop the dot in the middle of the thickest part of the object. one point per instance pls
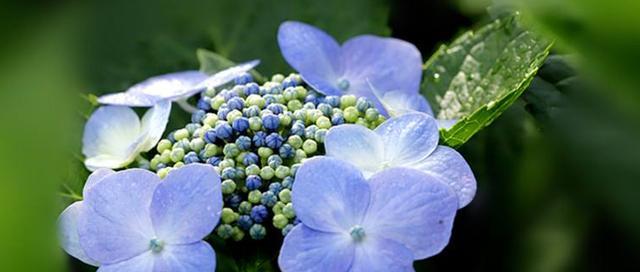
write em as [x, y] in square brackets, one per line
[412, 208]
[114, 224]
[388, 63]
[408, 138]
[186, 205]
[147, 93]
[305, 249]
[313, 53]
[357, 145]
[329, 194]
[154, 122]
[448, 165]
[96, 177]
[68, 224]
[141, 262]
[380, 254]
[197, 256]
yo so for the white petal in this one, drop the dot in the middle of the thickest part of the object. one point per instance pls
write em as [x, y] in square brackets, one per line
[68, 224]
[357, 145]
[108, 137]
[408, 138]
[154, 122]
[224, 76]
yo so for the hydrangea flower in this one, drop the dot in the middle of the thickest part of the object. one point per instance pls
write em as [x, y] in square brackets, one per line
[349, 223]
[132, 221]
[174, 87]
[397, 103]
[334, 69]
[411, 141]
[115, 135]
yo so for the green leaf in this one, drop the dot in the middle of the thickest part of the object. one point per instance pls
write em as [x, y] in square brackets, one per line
[242, 33]
[211, 63]
[480, 74]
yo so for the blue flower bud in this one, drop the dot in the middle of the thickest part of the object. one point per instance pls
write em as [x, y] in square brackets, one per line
[269, 199]
[259, 213]
[274, 140]
[270, 122]
[233, 200]
[257, 232]
[215, 161]
[363, 104]
[337, 119]
[287, 229]
[275, 187]
[228, 173]
[289, 82]
[270, 98]
[276, 108]
[222, 113]
[240, 173]
[320, 135]
[251, 88]
[244, 143]
[298, 128]
[210, 136]
[231, 150]
[241, 124]
[204, 104]
[171, 137]
[253, 182]
[160, 166]
[259, 139]
[332, 100]
[224, 131]
[243, 79]
[311, 98]
[197, 116]
[235, 103]
[245, 222]
[287, 182]
[191, 157]
[274, 161]
[287, 151]
[325, 109]
[251, 111]
[252, 169]
[310, 132]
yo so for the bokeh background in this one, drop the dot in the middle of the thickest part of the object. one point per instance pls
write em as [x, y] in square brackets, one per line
[558, 173]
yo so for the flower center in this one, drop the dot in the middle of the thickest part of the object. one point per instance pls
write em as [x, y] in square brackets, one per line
[156, 245]
[343, 84]
[357, 233]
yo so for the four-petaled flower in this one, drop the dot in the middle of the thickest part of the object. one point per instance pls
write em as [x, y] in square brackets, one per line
[133, 221]
[115, 135]
[389, 64]
[410, 141]
[174, 87]
[351, 224]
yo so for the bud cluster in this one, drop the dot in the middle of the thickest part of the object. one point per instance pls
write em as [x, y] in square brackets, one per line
[256, 136]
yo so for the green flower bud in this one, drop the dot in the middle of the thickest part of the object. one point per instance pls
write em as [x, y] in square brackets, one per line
[257, 232]
[255, 123]
[210, 92]
[255, 100]
[210, 119]
[371, 114]
[362, 122]
[162, 173]
[254, 196]
[196, 144]
[226, 163]
[228, 186]
[301, 91]
[300, 155]
[277, 208]
[309, 146]
[323, 122]
[211, 150]
[163, 145]
[289, 94]
[267, 173]
[282, 171]
[231, 150]
[252, 170]
[285, 120]
[351, 114]
[165, 157]
[180, 134]
[265, 152]
[288, 211]
[153, 164]
[300, 114]
[216, 102]
[348, 101]
[233, 115]
[228, 216]
[178, 164]
[277, 78]
[320, 135]
[295, 141]
[224, 231]
[238, 234]
[177, 154]
[245, 207]
[280, 221]
[294, 105]
[285, 195]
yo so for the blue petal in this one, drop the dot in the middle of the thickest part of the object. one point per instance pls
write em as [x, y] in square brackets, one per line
[186, 205]
[96, 177]
[141, 262]
[380, 254]
[313, 53]
[396, 103]
[446, 123]
[154, 122]
[329, 194]
[108, 137]
[389, 64]
[68, 224]
[197, 256]
[448, 165]
[357, 145]
[408, 138]
[305, 249]
[114, 224]
[222, 77]
[412, 208]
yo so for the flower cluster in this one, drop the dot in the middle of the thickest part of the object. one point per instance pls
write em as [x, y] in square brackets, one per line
[256, 136]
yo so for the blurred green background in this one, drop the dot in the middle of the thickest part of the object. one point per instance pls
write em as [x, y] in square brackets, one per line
[558, 173]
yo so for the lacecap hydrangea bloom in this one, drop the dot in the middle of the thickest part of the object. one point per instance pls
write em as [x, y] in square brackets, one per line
[256, 136]
[409, 141]
[392, 66]
[114, 136]
[133, 221]
[349, 223]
